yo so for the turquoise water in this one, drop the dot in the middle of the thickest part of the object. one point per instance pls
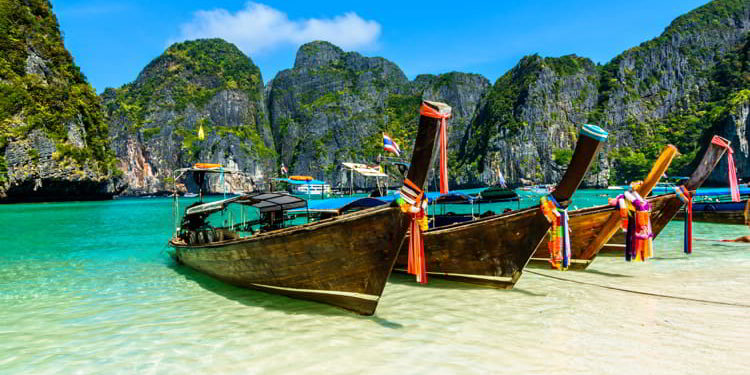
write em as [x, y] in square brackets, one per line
[87, 288]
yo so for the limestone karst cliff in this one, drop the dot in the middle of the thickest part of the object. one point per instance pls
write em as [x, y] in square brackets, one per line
[154, 120]
[59, 140]
[53, 137]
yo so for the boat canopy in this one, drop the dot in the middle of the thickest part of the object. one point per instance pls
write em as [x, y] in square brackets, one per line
[454, 197]
[265, 202]
[300, 182]
[364, 170]
[206, 168]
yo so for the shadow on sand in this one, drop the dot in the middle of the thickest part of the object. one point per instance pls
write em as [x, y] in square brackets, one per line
[527, 292]
[399, 278]
[438, 283]
[607, 274]
[269, 301]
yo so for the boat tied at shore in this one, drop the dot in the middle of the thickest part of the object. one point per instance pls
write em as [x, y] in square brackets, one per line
[343, 261]
[493, 250]
[665, 207]
[592, 227]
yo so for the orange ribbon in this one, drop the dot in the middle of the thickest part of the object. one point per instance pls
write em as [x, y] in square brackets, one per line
[417, 264]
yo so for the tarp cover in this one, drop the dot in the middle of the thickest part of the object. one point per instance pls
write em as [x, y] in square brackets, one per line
[365, 170]
[265, 202]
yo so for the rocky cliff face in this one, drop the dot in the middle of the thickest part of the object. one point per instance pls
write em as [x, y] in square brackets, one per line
[53, 138]
[674, 89]
[329, 108]
[333, 107]
[154, 121]
[526, 126]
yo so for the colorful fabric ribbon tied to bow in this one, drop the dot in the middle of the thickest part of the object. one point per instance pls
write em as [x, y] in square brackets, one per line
[413, 203]
[635, 215]
[559, 232]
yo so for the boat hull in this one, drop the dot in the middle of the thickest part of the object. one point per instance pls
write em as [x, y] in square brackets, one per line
[489, 252]
[596, 230]
[493, 251]
[718, 212]
[592, 227]
[586, 225]
[344, 261]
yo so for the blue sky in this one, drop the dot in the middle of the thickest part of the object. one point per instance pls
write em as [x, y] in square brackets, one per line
[113, 40]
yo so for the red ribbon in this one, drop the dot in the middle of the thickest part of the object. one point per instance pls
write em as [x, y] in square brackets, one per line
[428, 111]
[689, 224]
[731, 170]
[684, 194]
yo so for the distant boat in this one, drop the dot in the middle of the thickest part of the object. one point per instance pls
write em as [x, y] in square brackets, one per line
[497, 193]
[714, 205]
[538, 189]
[663, 188]
[720, 212]
[306, 185]
[366, 171]
[190, 195]
[615, 187]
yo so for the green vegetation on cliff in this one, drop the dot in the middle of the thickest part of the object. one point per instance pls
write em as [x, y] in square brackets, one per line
[680, 88]
[42, 88]
[500, 114]
[693, 121]
[189, 73]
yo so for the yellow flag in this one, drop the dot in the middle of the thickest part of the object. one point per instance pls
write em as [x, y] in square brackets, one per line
[201, 135]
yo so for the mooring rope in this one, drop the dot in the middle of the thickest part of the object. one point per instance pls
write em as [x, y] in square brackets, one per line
[640, 292]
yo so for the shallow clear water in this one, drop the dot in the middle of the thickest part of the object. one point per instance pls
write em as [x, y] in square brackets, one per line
[88, 288]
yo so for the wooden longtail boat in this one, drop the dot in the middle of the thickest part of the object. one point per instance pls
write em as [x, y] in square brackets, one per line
[492, 251]
[343, 261]
[665, 207]
[592, 227]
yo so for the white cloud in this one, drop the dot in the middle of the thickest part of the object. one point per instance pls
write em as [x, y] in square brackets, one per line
[258, 28]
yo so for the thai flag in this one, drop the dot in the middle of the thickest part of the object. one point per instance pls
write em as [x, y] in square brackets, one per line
[389, 145]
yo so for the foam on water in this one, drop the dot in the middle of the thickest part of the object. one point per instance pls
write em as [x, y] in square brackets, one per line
[88, 288]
